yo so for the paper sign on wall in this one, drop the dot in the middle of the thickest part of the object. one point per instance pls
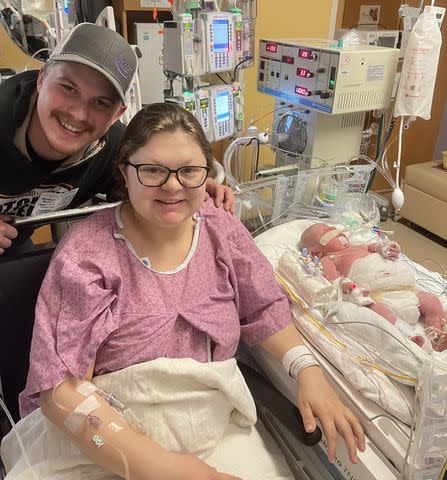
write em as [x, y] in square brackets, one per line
[369, 15]
[155, 3]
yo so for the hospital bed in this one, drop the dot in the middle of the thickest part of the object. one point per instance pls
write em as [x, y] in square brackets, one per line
[285, 214]
[20, 280]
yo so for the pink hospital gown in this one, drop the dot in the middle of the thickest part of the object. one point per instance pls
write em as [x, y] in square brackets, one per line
[99, 299]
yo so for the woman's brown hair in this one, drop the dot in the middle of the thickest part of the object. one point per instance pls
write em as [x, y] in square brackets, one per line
[150, 120]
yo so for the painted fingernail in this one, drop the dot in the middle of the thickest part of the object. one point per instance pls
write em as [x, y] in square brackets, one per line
[309, 428]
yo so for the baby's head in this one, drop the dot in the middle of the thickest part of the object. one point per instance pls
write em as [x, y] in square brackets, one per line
[321, 239]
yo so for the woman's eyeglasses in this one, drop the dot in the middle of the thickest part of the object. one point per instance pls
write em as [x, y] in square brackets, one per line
[189, 176]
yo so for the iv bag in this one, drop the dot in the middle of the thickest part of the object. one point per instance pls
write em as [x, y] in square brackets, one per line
[417, 79]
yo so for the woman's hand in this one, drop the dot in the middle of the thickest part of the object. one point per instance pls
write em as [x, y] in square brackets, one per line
[317, 399]
[222, 195]
[189, 467]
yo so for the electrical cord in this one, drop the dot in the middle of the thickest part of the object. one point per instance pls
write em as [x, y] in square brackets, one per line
[386, 138]
[323, 162]
[217, 75]
[238, 65]
[379, 144]
[40, 51]
[257, 152]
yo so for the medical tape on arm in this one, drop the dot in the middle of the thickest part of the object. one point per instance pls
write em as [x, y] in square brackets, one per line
[87, 388]
[385, 247]
[80, 413]
[297, 359]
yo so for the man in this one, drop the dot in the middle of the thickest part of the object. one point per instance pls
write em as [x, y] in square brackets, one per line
[60, 128]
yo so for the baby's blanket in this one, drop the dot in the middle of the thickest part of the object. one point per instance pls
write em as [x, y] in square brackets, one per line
[376, 273]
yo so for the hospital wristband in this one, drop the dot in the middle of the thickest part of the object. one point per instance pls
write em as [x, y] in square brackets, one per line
[297, 359]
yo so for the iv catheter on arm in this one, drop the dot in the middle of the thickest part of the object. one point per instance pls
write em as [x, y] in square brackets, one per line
[119, 448]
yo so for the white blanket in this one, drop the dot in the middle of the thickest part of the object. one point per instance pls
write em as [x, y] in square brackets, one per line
[376, 273]
[186, 406]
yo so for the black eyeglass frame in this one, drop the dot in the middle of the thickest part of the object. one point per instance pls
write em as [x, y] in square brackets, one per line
[170, 172]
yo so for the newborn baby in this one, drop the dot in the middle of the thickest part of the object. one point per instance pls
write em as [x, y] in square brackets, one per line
[374, 268]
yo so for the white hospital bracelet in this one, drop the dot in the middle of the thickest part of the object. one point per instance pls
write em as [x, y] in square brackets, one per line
[298, 358]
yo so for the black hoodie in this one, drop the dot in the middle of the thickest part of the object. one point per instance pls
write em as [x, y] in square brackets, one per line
[26, 187]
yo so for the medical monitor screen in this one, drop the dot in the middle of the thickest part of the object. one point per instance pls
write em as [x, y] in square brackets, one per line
[220, 34]
[222, 107]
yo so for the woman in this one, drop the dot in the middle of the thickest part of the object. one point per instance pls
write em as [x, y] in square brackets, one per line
[163, 288]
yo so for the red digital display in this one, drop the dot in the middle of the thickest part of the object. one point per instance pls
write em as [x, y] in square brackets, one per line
[271, 47]
[303, 53]
[305, 92]
[287, 59]
[303, 72]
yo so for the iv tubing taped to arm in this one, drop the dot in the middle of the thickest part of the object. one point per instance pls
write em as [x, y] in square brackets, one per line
[140, 458]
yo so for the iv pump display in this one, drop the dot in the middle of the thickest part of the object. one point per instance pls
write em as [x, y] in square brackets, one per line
[222, 111]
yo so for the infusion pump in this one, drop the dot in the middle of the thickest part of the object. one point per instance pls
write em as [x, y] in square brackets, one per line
[221, 111]
[210, 43]
[218, 46]
[213, 107]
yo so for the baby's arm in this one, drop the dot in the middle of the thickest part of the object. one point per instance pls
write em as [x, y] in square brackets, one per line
[351, 292]
[387, 249]
[330, 270]
[374, 248]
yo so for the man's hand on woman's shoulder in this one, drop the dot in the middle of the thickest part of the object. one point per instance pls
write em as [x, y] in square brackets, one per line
[222, 195]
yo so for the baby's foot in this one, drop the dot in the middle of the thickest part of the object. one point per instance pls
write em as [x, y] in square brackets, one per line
[418, 340]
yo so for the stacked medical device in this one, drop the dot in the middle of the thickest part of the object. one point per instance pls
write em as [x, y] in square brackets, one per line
[323, 91]
[210, 39]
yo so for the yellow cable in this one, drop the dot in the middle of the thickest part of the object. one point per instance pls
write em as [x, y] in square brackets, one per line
[314, 320]
[337, 342]
[444, 471]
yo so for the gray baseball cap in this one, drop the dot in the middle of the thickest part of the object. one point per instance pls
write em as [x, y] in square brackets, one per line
[102, 49]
